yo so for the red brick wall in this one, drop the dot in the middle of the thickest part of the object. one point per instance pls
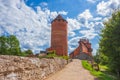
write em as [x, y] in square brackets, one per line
[59, 37]
[75, 52]
[83, 48]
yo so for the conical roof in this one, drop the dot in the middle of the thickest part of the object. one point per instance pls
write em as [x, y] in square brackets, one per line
[59, 17]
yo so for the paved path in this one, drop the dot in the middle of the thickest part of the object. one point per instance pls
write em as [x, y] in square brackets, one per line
[72, 71]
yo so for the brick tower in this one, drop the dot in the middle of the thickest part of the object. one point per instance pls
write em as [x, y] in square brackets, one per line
[59, 36]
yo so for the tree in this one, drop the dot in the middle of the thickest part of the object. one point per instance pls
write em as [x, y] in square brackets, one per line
[9, 45]
[110, 41]
[14, 46]
[28, 52]
[3, 45]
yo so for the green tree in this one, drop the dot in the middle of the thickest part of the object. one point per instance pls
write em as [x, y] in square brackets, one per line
[97, 58]
[110, 41]
[14, 46]
[3, 45]
[9, 45]
[28, 52]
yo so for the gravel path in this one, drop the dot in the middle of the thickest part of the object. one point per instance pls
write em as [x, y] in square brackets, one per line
[72, 71]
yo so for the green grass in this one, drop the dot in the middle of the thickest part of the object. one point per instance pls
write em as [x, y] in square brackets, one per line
[103, 67]
[64, 57]
[52, 55]
[100, 75]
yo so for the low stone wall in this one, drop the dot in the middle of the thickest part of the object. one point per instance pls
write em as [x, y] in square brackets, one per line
[84, 56]
[26, 68]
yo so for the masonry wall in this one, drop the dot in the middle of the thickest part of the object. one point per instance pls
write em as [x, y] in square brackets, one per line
[59, 37]
[59, 41]
[83, 56]
[84, 48]
[25, 68]
[83, 51]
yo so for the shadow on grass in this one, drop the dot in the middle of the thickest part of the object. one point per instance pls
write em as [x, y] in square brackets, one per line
[106, 76]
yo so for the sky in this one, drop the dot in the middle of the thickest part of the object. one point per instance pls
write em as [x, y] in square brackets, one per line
[30, 20]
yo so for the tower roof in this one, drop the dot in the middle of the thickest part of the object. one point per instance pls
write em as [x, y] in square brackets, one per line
[59, 17]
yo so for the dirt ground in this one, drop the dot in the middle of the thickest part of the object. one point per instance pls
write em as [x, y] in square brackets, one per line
[72, 71]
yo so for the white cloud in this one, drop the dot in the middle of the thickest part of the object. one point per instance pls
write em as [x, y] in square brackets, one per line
[62, 12]
[43, 4]
[103, 8]
[71, 34]
[73, 43]
[106, 8]
[105, 19]
[54, 14]
[90, 34]
[94, 52]
[115, 4]
[84, 18]
[31, 28]
[91, 1]
[96, 46]
[98, 27]
[97, 18]
[85, 15]
[73, 25]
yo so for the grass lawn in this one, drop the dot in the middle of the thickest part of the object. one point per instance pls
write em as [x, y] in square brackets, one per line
[99, 74]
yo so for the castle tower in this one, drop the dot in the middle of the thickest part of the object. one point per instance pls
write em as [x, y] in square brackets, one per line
[59, 36]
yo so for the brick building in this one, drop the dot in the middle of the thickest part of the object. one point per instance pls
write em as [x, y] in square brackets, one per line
[59, 36]
[83, 51]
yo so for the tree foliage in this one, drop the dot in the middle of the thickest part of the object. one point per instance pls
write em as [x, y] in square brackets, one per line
[101, 58]
[28, 52]
[9, 45]
[110, 41]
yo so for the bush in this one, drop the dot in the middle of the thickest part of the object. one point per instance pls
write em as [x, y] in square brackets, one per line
[52, 54]
[64, 57]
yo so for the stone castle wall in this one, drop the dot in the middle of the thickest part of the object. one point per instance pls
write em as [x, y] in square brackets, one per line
[26, 68]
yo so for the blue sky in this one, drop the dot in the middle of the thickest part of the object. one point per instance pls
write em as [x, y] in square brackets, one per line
[30, 20]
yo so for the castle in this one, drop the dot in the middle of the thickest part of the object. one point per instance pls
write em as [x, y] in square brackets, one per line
[59, 41]
[59, 36]
[83, 51]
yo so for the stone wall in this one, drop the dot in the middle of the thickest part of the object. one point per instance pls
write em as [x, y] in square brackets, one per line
[26, 68]
[83, 56]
